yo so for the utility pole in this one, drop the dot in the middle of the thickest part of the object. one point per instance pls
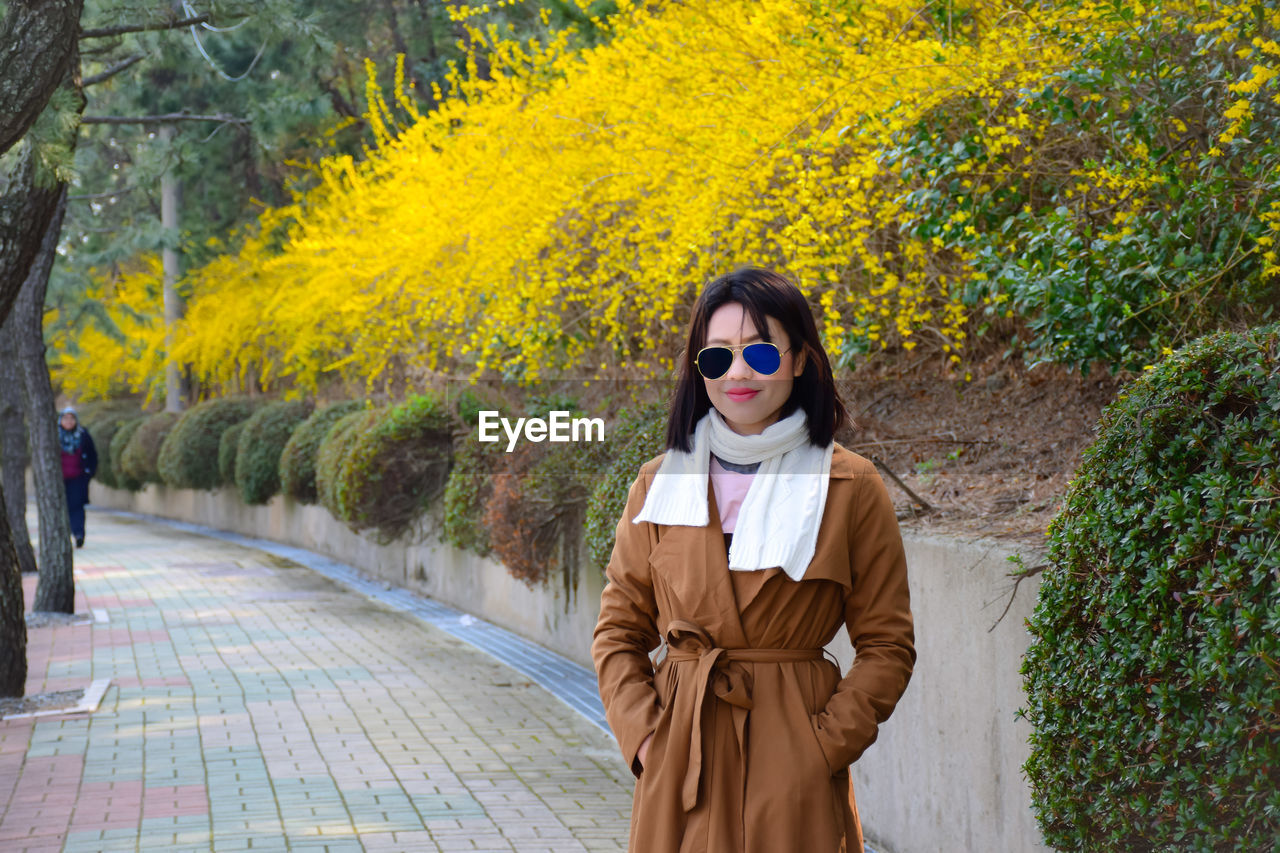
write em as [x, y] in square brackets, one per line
[170, 192]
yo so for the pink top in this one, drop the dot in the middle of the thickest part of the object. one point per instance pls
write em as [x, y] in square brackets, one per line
[730, 488]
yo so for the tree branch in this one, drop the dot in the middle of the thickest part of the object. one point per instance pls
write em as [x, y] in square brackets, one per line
[98, 196]
[112, 71]
[1018, 577]
[107, 32]
[924, 504]
[167, 118]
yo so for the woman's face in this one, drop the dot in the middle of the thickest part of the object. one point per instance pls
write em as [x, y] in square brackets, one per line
[746, 400]
[68, 421]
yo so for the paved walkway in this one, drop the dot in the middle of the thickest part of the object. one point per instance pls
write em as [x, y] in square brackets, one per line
[257, 705]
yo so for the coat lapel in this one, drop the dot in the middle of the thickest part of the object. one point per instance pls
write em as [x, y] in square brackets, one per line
[696, 565]
[829, 561]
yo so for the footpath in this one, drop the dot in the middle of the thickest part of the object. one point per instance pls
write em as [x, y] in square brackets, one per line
[251, 703]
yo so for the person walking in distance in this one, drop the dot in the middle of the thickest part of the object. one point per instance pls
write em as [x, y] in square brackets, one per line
[79, 463]
[741, 552]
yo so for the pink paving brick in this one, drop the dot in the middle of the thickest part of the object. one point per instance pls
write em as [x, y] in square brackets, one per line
[42, 798]
[107, 795]
[30, 838]
[175, 801]
[49, 844]
[62, 770]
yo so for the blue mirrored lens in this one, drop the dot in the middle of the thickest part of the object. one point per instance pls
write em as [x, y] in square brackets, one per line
[762, 358]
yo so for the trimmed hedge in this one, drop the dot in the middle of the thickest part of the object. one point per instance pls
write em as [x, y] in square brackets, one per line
[119, 441]
[394, 467]
[257, 459]
[302, 450]
[467, 493]
[140, 457]
[105, 423]
[636, 439]
[334, 452]
[228, 444]
[189, 456]
[1152, 674]
[471, 478]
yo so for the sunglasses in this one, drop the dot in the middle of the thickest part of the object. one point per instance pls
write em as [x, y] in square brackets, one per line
[764, 358]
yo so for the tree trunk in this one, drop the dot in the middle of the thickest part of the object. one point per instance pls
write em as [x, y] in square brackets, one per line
[56, 588]
[13, 625]
[25, 212]
[170, 202]
[39, 43]
[14, 457]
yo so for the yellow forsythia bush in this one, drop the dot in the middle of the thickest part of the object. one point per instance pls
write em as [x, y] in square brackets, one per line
[560, 215]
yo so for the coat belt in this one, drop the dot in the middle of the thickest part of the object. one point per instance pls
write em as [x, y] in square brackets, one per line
[688, 642]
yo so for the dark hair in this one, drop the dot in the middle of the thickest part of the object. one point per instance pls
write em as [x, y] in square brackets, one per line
[762, 293]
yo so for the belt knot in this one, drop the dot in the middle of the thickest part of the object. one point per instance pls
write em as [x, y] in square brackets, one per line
[688, 642]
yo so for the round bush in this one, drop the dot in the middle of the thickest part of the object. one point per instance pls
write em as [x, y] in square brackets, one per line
[103, 426]
[396, 467]
[334, 452]
[228, 445]
[140, 456]
[1152, 674]
[634, 441]
[467, 493]
[257, 459]
[189, 456]
[298, 459]
[471, 478]
[119, 441]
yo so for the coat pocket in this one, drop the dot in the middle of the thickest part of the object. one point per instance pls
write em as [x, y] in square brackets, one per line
[823, 678]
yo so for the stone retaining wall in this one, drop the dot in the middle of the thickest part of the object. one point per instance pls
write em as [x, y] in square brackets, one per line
[945, 774]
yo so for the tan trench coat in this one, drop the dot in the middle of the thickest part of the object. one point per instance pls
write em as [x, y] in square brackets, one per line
[753, 729]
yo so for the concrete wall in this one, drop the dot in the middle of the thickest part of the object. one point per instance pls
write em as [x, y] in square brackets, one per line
[944, 775]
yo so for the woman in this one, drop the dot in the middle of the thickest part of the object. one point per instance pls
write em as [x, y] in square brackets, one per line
[79, 462]
[742, 737]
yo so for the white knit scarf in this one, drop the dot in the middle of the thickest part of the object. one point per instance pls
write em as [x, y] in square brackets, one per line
[779, 517]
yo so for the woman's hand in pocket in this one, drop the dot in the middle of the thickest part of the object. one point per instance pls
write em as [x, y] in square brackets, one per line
[643, 752]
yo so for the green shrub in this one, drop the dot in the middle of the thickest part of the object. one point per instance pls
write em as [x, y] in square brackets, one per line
[1152, 674]
[103, 423]
[334, 452]
[634, 441]
[189, 457]
[467, 493]
[298, 459]
[228, 444]
[1074, 261]
[395, 467]
[115, 455]
[103, 430]
[471, 478]
[265, 434]
[140, 456]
